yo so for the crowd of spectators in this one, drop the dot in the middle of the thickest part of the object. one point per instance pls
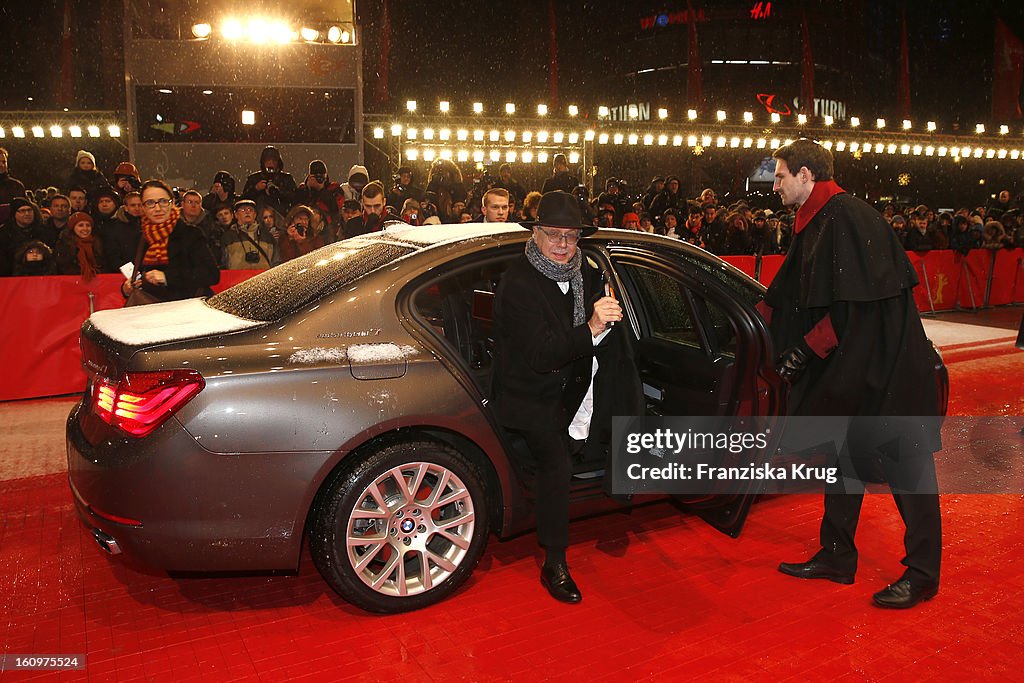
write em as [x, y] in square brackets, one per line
[92, 224]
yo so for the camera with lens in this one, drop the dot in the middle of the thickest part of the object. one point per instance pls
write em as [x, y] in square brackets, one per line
[320, 178]
[300, 229]
[252, 257]
[268, 174]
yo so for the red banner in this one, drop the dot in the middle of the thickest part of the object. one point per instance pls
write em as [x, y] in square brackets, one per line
[552, 54]
[1007, 278]
[806, 72]
[1008, 70]
[903, 86]
[745, 263]
[770, 267]
[42, 317]
[694, 86]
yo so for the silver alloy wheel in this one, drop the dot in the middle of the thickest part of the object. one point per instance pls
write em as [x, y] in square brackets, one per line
[410, 529]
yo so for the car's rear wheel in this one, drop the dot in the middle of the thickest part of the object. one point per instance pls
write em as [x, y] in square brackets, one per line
[402, 527]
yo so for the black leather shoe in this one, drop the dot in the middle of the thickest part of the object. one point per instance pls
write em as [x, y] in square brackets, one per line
[559, 583]
[816, 569]
[903, 594]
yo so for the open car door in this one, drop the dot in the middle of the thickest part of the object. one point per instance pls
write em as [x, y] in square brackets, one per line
[703, 350]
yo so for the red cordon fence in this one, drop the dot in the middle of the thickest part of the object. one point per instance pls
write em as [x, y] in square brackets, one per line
[41, 316]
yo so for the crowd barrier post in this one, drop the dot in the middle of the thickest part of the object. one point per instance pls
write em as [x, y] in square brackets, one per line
[927, 287]
[1016, 277]
[966, 276]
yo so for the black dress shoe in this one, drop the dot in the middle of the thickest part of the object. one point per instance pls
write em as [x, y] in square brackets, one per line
[903, 594]
[816, 569]
[559, 583]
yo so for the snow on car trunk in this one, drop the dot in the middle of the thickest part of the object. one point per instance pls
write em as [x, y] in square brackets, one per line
[166, 322]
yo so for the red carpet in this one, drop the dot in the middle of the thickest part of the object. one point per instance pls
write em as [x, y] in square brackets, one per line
[665, 598]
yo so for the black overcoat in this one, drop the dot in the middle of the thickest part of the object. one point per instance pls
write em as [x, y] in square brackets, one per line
[543, 363]
[848, 262]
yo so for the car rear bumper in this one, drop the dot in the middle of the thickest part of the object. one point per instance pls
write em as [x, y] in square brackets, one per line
[175, 505]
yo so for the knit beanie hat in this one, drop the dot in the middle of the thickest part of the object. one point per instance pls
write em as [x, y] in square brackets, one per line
[18, 203]
[126, 168]
[79, 216]
[82, 153]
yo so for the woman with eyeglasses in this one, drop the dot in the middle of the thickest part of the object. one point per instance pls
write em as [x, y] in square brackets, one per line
[173, 260]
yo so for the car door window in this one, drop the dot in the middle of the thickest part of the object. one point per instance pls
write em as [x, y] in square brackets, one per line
[665, 306]
[688, 343]
[721, 330]
[458, 307]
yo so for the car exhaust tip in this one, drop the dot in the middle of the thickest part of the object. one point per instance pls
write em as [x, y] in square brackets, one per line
[107, 542]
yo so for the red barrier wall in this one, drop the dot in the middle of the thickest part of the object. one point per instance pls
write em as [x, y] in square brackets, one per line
[42, 317]
[770, 267]
[1007, 278]
[745, 263]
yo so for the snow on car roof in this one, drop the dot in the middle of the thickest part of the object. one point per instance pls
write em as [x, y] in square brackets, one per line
[451, 232]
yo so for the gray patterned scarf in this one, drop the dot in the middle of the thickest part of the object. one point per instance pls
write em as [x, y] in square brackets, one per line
[561, 272]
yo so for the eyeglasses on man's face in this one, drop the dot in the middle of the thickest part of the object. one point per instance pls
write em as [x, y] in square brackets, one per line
[162, 203]
[556, 236]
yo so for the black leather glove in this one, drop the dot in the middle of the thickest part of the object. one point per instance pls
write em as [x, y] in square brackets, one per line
[793, 362]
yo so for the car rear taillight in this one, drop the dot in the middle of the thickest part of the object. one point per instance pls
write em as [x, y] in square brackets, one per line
[142, 401]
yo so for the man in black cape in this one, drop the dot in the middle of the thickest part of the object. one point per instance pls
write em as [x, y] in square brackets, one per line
[842, 307]
[562, 368]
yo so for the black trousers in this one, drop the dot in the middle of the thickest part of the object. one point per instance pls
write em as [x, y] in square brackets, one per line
[550, 449]
[910, 474]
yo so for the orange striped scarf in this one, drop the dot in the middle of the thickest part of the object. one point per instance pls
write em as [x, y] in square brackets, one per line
[156, 234]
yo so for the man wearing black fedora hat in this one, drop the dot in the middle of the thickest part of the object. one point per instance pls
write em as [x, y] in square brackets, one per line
[560, 366]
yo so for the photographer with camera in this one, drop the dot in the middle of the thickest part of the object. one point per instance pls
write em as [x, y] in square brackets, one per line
[322, 196]
[582, 194]
[300, 237]
[669, 198]
[613, 198]
[358, 176]
[222, 192]
[372, 217]
[403, 189]
[126, 179]
[270, 186]
[247, 245]
[482, 184]
[411, 212]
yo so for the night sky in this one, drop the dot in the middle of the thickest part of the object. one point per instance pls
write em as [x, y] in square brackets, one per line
[464, 49]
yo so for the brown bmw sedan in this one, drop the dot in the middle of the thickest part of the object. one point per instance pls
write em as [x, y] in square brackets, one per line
[343, 396]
